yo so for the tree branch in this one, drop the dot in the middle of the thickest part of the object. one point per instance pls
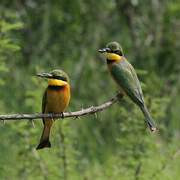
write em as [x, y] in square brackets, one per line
[76, 114]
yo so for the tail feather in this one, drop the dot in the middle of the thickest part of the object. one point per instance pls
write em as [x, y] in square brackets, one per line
[44, 141]
[44, 144]
[148, 118]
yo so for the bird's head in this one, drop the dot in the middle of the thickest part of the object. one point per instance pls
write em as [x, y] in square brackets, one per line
[112, 51]
[55, 78]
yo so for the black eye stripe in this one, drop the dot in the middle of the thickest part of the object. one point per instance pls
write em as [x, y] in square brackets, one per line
[112, 51]
[116, 51]
[60, 78]
[63, 78]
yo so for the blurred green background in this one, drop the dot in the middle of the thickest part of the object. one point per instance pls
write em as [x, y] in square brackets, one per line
[38, 36]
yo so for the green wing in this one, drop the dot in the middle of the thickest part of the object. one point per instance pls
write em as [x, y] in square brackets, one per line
[44, 101]
[125, 75]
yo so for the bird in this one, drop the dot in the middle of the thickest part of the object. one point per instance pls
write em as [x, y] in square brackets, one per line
[125, 76]
[55, 100]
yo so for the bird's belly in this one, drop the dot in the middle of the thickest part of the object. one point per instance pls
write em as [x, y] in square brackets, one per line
[115, 79]
[119, 86]
[57, 100]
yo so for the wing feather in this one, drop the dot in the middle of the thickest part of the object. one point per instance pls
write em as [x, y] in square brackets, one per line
[44, 102]
[125, 75]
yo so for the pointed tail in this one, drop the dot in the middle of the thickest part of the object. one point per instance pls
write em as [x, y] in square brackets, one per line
[44, 141]
[148, 118]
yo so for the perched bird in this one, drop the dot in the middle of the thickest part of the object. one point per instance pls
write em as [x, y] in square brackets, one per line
[55, 100]
[125, 76]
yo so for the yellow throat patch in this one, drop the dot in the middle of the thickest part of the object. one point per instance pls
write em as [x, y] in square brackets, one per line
[56, 82]
[113, 56]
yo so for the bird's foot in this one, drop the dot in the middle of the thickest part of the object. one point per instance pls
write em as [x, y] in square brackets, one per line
[62, 115]
[52, 117]
[120, 95]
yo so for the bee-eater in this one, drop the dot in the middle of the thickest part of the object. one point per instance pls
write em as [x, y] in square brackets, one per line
[55, 100]
[126, 78]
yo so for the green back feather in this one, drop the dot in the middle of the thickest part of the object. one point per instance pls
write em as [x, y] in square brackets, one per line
[125, 75]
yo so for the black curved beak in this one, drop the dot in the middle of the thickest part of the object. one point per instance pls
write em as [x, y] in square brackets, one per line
[103, 50]
[44, 75]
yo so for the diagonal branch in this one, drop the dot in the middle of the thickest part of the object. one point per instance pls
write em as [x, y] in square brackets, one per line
[75, 114]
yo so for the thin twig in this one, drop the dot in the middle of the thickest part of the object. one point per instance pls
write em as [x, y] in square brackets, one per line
[83, 112]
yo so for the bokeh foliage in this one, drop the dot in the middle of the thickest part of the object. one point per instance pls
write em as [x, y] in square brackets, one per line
[38, 36]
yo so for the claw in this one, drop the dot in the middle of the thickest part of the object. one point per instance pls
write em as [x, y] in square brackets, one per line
[62, 115]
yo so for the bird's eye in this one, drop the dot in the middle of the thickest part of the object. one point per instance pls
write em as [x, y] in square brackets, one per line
[116, 51]
[62, 78]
